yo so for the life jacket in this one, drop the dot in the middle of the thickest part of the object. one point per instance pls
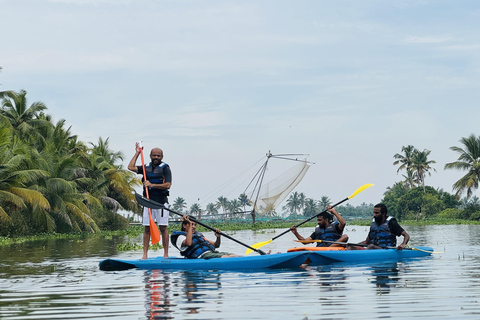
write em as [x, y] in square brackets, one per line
[199, 244]
[156, 176]
[329, 234]
[380, 235]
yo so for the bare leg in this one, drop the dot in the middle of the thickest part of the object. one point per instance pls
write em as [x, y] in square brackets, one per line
[146, 242]
[164, 233]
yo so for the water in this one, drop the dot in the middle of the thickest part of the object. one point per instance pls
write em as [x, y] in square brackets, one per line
[60, 279]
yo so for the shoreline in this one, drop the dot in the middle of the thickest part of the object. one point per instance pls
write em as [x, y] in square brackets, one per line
[136, 230]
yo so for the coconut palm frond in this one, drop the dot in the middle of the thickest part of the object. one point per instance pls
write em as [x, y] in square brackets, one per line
[33, 197]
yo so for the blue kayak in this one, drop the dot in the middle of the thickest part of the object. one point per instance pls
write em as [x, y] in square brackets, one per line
[272, 261]
[362, 256]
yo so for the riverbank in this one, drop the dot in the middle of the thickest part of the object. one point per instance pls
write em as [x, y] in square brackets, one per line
[260, 227]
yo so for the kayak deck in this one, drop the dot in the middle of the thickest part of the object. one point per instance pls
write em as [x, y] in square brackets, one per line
[272, 261]
[362, 256]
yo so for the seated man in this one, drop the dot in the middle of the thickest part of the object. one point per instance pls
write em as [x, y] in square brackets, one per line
[326, 230]
[193, 244]
[384, 231]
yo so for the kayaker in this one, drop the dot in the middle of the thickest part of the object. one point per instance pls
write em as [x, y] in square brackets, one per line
[384, 231]
[327, 230]
[193, 244]
[158, 182]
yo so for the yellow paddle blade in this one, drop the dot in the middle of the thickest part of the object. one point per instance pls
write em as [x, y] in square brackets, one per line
[424, 250]
[365, 186]
[307, 241]
[257, 245]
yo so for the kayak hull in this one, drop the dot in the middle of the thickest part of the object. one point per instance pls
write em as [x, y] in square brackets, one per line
[363, 256]
[270, 261]
[296, 249]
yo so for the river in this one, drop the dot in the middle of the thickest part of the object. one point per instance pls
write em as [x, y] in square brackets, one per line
[60, 279]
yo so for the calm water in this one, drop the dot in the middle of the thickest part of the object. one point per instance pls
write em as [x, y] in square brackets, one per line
[60, 280]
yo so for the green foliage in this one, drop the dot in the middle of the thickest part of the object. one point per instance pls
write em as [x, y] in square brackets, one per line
[135, 247]
[451, 213]
[50, 181]
[417, 203]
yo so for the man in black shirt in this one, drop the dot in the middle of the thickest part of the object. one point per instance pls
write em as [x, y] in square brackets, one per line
[384, 230]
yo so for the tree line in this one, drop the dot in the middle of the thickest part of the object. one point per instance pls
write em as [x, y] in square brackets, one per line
[410, 198]
[50, 181]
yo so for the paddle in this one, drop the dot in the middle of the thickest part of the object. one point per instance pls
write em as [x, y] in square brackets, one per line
[155, 234]
[362, 245]
[155, 205]
[261, 244]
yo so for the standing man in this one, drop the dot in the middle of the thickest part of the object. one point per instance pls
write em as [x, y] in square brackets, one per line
[384, 230]
[326, 230]
[159, 180]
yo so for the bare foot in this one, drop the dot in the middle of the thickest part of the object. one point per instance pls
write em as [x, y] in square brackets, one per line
[144, 257]
[165, 256]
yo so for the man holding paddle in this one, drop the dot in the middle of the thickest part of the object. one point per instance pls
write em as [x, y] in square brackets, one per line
[156, 182]
[384, 231]
[193, 244]
[326, 230]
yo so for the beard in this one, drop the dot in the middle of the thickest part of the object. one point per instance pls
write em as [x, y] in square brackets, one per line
[322, 225]
[156, 162]
[379, 219]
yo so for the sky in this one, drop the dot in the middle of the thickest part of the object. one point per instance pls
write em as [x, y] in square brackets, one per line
[218, 84]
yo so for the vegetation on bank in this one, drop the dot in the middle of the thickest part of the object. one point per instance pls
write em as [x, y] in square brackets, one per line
[50, 181]
[229, 228]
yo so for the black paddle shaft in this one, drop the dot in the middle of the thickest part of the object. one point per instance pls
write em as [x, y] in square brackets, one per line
[155, 205]
[298, 225]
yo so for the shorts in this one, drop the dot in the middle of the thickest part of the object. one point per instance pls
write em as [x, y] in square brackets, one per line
[156, 216]
[214, 254]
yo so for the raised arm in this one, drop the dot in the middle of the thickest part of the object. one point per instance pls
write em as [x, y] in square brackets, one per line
[341, 221]
[132, 164]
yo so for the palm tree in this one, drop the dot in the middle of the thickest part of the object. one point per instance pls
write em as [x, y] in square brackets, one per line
[211, 209]
[16, 177]
[405, 162]
[222, 202]
[194, 209]
[179, 204]
[324, 203]
[244, 202]
[294, 203]
[421, 166]
[311, 207]
[23, 119]
[468, 160]
[234, 206]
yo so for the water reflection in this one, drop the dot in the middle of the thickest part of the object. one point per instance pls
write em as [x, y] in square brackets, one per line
[385, 277]
[158, 294]
[330, 277]
[190, 290]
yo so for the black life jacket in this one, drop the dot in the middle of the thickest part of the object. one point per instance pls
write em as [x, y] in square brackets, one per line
[199, 244]
[329, 234]
[156, 176]
[380, 235]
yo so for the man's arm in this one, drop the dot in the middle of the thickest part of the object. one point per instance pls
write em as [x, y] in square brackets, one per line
[299, 237]
[217, 242]
[132, 165]
[188, 241]
[341, 221]
[406, 238]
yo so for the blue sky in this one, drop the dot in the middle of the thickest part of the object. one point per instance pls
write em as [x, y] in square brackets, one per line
[217, 84]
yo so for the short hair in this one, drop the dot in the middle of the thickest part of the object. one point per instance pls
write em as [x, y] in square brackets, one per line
[325, 215]
[383, 208]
